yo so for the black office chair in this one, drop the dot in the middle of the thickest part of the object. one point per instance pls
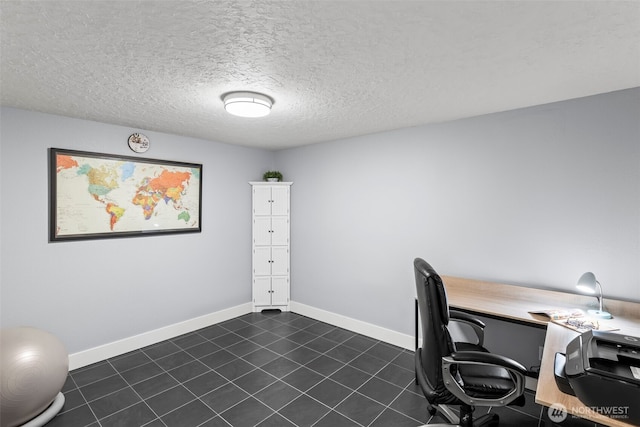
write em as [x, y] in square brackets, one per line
[456, 373]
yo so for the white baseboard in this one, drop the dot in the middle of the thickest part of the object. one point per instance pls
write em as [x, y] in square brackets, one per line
[364, 328]
[116, 348]
[106, 351]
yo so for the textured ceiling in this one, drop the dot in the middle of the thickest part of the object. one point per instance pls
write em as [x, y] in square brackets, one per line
[334, 68]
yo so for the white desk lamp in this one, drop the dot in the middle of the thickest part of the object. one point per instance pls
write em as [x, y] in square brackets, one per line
[589, 285]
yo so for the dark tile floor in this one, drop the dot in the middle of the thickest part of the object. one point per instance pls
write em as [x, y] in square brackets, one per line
[275, 369]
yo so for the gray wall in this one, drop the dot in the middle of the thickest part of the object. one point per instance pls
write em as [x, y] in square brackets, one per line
[535, 196]
[91, 293]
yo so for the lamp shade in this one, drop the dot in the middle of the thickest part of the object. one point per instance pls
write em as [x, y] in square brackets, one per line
[247, 104]
[587, 283]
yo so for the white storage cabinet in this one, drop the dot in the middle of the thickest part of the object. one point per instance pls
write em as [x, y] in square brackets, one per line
[270, 234]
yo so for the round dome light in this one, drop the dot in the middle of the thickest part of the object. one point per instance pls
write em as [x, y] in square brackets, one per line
[247, 104]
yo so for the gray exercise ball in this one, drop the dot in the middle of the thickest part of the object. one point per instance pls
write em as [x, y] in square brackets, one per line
[33, 369]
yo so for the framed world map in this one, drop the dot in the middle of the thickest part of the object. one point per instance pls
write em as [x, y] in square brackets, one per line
[96, 196]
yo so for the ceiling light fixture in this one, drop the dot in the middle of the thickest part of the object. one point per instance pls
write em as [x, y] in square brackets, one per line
[247, 104]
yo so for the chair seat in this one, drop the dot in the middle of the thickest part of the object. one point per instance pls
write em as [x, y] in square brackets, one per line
[487, 382]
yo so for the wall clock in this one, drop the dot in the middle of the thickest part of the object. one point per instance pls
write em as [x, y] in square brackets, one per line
[138, 142]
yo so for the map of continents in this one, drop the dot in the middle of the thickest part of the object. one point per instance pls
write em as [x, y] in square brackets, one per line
[97, 195]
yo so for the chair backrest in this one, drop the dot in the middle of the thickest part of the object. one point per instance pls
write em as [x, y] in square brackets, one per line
[434, 317]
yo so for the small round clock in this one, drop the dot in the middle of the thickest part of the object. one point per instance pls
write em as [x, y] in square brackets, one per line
[138, 142]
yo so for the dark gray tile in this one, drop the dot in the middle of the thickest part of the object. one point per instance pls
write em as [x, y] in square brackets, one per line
[80, 416]
[235, 369]
[302, 355]
[265, 338]
[260, 357]
[224, 397]
[129, 360]
[174, 360]
[247, 413]
[234, 324]
[389, 417]
[69, 384]
[321, 345]
[412, 405]
[329, 392]
[380, 391]
[190, 415]
[103, 387]
[277, 395]
[136, 415]
[155, 385]
[385, 351]
[276, 420]
[162, 349]
[303, 378]
[334, 419]
[301, 337]
[205, 383]
[406, 360]
[343, 353]
[169, 400]
[188, 340]
[188, 371]
[280, 367]
[217, 359]
[360, 342]
[72, 399]
[350, 377]
[250, 331]
[284, 330]
[114, 402]
[227, 340]
[243, 347]
[213, 331]
[215, 422]
[142, 372]
[254, 317]
[319, 328]
[254, 381]
[360, 408]
[303, 322]
[155, 423]
[283, 346]
[92, 373]
[339, 335]
[368, 363]
[202, 349]
[304, 411]
[396, 375]
[327, 382]
[325, 365]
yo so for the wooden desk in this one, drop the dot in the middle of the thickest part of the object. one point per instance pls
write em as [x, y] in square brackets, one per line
[513, 303]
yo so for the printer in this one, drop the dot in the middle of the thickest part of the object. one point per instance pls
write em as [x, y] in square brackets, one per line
[602, 369]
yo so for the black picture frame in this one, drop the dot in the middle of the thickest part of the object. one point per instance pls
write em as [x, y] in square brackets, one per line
[101, 196]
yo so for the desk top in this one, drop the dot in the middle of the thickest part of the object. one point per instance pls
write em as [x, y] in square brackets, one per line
[510, 302]
[513, 303]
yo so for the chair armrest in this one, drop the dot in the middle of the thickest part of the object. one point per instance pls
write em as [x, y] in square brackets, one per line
[458, 358]
[476, 324]
[483, 358]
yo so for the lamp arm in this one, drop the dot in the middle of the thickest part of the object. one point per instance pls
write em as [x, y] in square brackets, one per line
[599, 296]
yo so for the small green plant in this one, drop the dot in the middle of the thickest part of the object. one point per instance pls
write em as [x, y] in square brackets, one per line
[271, 175]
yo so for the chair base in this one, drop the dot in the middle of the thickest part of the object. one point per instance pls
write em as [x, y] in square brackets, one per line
[466, 417]
[486, 420]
